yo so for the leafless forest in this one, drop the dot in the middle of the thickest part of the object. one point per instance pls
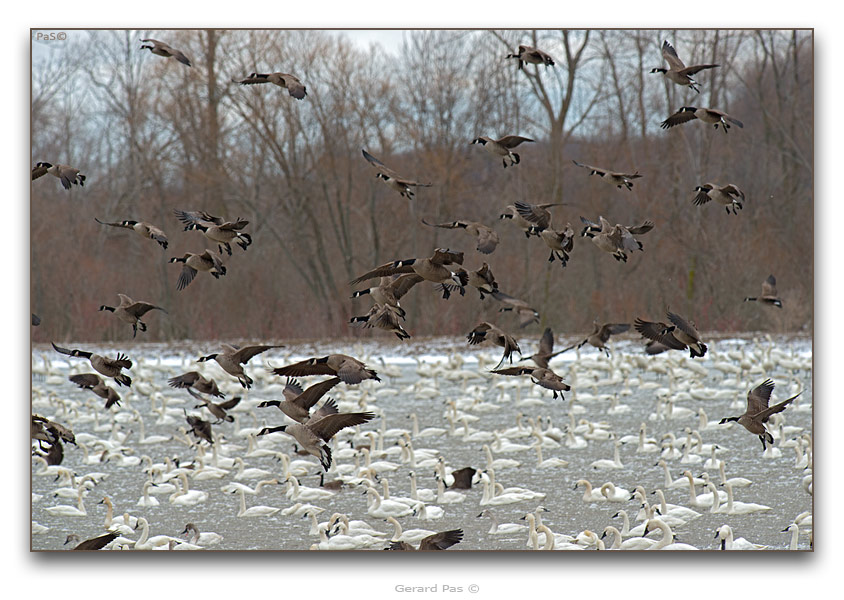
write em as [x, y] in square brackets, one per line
[153, 135]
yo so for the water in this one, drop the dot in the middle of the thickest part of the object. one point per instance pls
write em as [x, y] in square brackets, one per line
[409, 386]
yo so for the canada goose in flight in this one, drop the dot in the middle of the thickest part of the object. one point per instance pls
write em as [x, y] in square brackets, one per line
[654, 347]
[199, 427]
[110, 367]
[382, 316]
[486, 236]
[758, 412]
[313, 436]
[232, 357]
[215, 229]
[613, 178]
[437, 541]
[680, 335]
[162, 49]
[195, 380]
[286, 80]
[707, 115]
[526, 313]
[51, 432]
[560, 242]
[390, 290]
[539, 212]
[400, 184]
[144, 229]
[297, 403]
[725, 195]
[617, 239]
[600, 335]
[502, 147]
[483, 280]
[348, 369]
[66, 174]
[131, 312]
[546, 349]
[218, 410]
[463, 478]
[485, 331]
[769, 293]
[93, 382]
[677, 72]
[93, 543]
[429, 269]
[207, 261]
[533, 56]
[541, 376]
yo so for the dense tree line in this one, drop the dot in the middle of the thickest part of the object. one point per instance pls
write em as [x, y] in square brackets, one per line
[153, 135]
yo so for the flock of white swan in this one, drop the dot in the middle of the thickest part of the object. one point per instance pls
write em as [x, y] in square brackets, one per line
[633, 458]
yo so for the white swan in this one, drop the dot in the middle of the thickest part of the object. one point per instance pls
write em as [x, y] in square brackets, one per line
[725, 535]
[145, 499]
[667, 541]
[614, 494]
[411, 536]
[424, 494]
[497, 528]
[498, 463]
[427, 432]
[681, 512]
[234, 486]
[549, 463]
[633, 543]
[703, 500]
[244, 473]
[680, 482]
[736, 482]
[149, 543]
[427, 513]
[741, 508]
[254, 511]
[447, 497]
[186, 496]
[794, 529]
[606, 463]
[378, 507]
[297, 492]
[65, 510]
[589, 494]
[205, 538]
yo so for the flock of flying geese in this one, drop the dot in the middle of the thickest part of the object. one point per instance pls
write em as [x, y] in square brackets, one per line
[313, 429]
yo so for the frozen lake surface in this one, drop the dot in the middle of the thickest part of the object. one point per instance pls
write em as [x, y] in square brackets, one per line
[447, 385]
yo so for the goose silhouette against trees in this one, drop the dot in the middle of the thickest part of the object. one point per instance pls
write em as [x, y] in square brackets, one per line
[95, 383]
[503, 147]
[142, 228]
[487, 238]
[543, 219]
[681, 334]
[758, 412]
[487, 332]
[433, 269]
[216, 229]
[350, 370]
[69, 176]
[617, 239]
[619, 180]
[291, 83]
[600, 335]
[232, 357]
[769, 293]
[522, 309]
[198, 382]
[542, 377]
[314, 435]
[208, 262]
[131, 312]
[677, 72]
[437, 541]
[711, 116]
[726, 195]
[110, 367]
[161, 49]
[402, 185]
[530, 55]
